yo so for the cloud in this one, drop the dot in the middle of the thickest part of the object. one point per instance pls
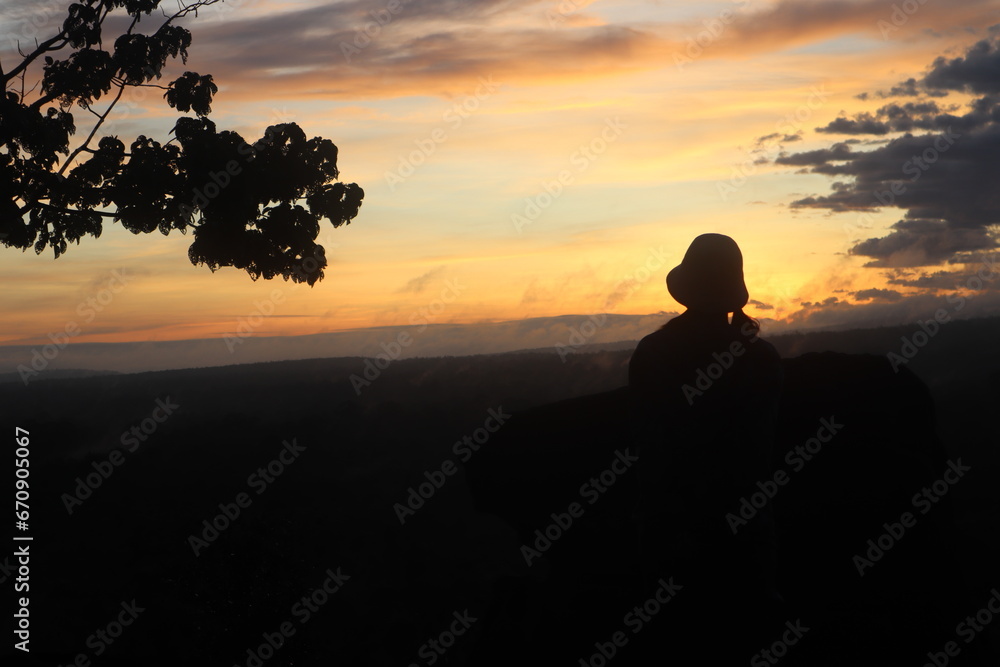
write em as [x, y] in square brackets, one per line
[975, 72]
[909, 309]
[792, 22]
[358, 50]
[535, 294]
[972, 291]
[838, 152]
[926, 115]
[420, 283]
[922, 243]
[428, 47]
[876, 294]
[976, 275]
[944, 178]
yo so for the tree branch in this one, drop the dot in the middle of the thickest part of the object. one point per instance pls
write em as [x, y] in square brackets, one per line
[187, 9]
[44, 99]
[60, 209]
[103, 117]
[44, 47]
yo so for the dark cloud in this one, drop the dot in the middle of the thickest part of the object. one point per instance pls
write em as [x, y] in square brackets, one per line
[863, 123]
[908, 88]
[825, 303]
[937, 280]
[980, 272]
[975, 72]
[760, 305]
[911, 116]
[922, 243]
[836, 153]
[942, 172]
[947, 190]
[876, 294]
[978, 71]
[918, 307]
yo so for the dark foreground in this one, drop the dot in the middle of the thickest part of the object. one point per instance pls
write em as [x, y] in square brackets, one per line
[265, 517]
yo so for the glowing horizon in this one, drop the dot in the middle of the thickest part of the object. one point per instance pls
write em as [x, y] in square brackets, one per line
[537, 181]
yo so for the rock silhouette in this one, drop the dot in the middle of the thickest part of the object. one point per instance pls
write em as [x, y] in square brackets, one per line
[888, 601]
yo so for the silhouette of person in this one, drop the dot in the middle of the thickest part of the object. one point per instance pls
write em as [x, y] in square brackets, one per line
[705, 394]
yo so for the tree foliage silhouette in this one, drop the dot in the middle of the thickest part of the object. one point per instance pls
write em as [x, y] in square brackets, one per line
[254, 206]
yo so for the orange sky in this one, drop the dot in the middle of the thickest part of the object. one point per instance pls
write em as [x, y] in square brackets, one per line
[646, 115]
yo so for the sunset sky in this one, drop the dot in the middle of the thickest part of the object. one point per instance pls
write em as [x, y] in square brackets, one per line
[664, 119]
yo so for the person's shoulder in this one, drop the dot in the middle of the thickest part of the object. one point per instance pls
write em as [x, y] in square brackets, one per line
[763, 352]
[645, 344]
[765, 348]
[654, 337]
[664, 333]
[653, 347]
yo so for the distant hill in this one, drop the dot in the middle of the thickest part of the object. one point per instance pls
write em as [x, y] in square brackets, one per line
[370, 435]
[970, 339]
[58, 374]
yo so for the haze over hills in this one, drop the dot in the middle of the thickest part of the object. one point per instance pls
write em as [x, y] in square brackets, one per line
[554, 335]
[366, 445]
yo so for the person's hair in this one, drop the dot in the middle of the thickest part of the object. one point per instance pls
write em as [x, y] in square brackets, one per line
[744, 324]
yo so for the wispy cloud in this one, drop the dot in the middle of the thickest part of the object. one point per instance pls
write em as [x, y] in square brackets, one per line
[420, 283]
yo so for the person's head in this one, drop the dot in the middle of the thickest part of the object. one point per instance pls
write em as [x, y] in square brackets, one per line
[710, 280]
